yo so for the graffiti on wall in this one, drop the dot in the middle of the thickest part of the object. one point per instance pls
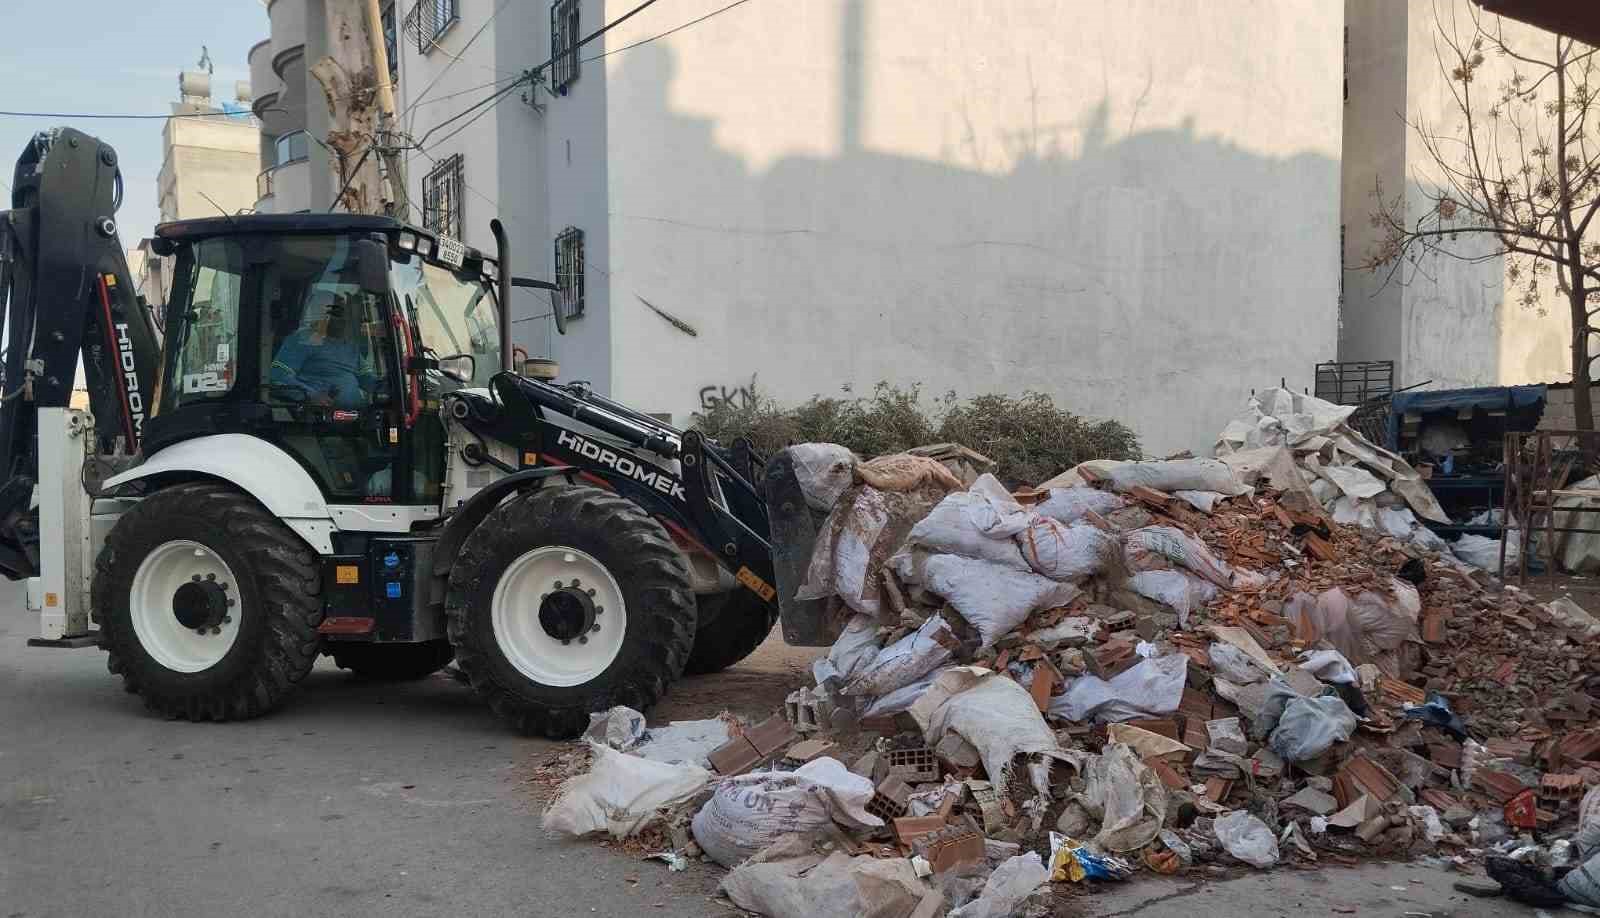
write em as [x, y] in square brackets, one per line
[736, 395]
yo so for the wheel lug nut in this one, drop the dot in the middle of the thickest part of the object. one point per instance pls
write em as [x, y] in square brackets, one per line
[574, 583]
[583, 639]
[593, 628]
[590, 591]
[558, 584]
[227, 619]
[215, 630]
[211, 576]
[599, 609]
[231, 603]
[195, 578]
[565, 642]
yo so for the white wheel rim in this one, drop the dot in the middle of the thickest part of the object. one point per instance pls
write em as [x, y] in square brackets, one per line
[522, 638]
[167, 640]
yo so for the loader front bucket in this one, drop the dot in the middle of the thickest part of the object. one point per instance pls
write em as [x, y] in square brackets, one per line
[794, 525]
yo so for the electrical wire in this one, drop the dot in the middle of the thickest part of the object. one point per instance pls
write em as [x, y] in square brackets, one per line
[491, 100]
[105, 115]
[692, 22]
[454, 59]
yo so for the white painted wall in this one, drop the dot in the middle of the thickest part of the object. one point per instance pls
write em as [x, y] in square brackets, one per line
[1453, 322]
[1132, 206]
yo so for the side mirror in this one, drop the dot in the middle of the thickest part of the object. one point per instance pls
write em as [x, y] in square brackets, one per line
[561, 321]
[459, 367]
[372, 265]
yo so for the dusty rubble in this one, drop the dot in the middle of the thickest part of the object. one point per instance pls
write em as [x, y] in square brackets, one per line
[1179, 667]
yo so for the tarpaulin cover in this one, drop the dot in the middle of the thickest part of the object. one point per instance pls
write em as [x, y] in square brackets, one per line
[1524, 405]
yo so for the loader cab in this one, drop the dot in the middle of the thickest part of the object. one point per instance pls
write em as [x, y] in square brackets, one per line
[332, 336]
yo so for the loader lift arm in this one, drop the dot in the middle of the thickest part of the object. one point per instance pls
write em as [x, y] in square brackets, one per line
[67, 293]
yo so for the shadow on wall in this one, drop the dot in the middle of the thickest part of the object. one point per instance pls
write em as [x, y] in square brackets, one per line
[1156, 276]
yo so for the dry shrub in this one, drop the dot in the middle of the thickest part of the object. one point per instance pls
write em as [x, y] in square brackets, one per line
[1029, 436]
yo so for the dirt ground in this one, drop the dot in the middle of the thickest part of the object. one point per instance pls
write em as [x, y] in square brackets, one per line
[754, 688]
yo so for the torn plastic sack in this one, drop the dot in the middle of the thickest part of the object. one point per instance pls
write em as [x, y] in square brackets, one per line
[1204, 501]
[1348, 511]
[905, 472]
[906, 660]
[1066, 552]
[688, 741]
[993, 599]
[1573, 618]
[1310, 726]
[1247, 838]
[1483, 552]
[619, 727]
[842, 559]
[1436, 712]
[999, 514]
[1263, 703]
[1176, 475]
[949, 529]
[620, 793]
[1148, 745]
[1126, 795]
[790, 880]
[993, 713]
[749, 812]
[1011, 882]
[1587, 838]
[856, 647]
[1235, 665]
[1364, 629]
[824, 471]
[901, 699]
[1070, 505]
[1179, 590]
[1149, 688]
[1147, 548]
[1354, 483]
[1328, 666]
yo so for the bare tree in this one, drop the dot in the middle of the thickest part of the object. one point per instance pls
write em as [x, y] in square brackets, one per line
[1518, 168]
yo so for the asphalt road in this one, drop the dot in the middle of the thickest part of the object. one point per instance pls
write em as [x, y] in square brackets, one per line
[356, 799]
[361, 799]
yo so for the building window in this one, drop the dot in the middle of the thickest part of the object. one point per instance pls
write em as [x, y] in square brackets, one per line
[563, 45]
[441, 197]
[391, 42]
[569, 272]
[429, 19]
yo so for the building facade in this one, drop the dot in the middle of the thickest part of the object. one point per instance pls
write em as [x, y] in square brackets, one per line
[208, 167]
[1131, 207]
[1451, 322]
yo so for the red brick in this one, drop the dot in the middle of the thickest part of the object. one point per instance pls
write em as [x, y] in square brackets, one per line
[1500, 787]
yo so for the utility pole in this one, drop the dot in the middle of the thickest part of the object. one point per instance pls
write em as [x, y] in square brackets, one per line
[393, 162]
[350, 86]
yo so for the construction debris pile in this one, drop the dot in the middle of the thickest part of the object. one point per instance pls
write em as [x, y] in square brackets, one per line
[1184, 666]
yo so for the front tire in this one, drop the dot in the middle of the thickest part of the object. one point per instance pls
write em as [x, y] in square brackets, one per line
[732, 626]
[208, 605]
[568, 600]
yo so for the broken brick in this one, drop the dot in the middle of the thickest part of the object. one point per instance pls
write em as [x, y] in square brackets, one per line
[913, 766]
[950, 846]
[1370, 778]
[1500, 787]
[907, 829]
[1164, 726]
[735, 757]
[889, 799]
[808, 750]
[1112, 658]
[1218, 788]
[1043, 684]
[771, 735]
[1445, 755]
[1514, 749]
[1168, 775]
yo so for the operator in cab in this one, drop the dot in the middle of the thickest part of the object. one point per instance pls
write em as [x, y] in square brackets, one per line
[321, 363]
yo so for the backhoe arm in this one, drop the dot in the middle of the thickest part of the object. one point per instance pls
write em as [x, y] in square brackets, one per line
[67, 293]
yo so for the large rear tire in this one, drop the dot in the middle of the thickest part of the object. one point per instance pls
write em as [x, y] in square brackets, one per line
[391, 662]
[732, 626]
[568, 600]
[208, 605]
